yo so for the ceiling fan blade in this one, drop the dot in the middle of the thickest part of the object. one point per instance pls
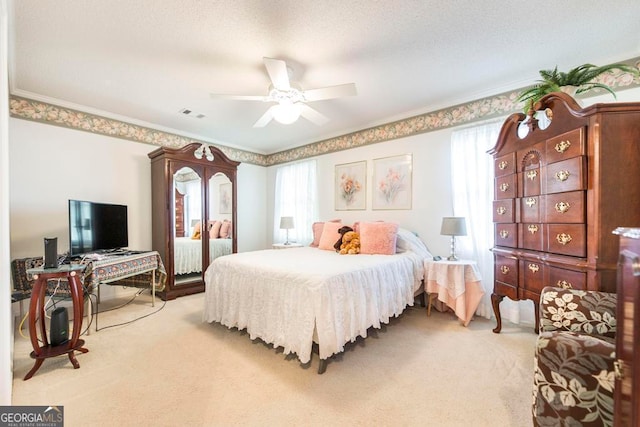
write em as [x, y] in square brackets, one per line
[348, 89]
[238, 97]
[313, 115]
[278, 74]
[265, 119]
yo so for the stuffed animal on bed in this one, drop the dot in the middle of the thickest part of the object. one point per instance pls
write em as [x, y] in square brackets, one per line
[341, 231]
[350, 243]
[197, 231]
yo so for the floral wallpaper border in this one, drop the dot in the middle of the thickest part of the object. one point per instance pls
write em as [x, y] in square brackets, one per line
[66, 117]
[482, 109]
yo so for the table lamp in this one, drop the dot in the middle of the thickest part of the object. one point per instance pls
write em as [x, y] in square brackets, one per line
[286, 223]
[453, 226]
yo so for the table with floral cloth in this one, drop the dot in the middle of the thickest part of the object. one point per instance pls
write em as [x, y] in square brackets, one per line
[134, 269]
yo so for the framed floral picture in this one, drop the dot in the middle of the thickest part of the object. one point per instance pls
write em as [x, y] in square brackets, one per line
[225, 198]
[392, 182]
[351, 186]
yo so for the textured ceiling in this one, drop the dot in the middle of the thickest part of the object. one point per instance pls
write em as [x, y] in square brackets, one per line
[144, 60]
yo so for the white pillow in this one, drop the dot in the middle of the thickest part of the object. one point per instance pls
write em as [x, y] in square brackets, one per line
[408, 241]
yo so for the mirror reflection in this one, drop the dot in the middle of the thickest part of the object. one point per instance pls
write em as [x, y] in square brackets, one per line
[188, 225]
[544, 118]
[220, 221]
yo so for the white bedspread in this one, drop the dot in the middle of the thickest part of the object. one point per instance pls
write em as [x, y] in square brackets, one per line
[280, 296]
[188, 253]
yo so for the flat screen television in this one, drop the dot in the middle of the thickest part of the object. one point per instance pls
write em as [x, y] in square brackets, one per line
[96, 227]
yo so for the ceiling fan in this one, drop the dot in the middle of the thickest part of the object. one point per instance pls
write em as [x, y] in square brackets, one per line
[291, 100]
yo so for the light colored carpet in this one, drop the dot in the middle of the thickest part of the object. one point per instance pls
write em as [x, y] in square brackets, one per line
[170, 369]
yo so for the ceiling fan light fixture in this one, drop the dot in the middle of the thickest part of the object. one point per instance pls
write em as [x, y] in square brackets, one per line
[288, 98]
[286, 112]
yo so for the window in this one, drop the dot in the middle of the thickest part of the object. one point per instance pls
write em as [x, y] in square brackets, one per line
[296, 195]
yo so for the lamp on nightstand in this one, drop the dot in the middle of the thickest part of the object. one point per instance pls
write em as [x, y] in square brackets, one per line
[286, 223]
[453, 226]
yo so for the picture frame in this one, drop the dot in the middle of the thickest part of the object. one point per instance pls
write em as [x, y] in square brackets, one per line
[351, 186]
[225, 198]
[392, 182]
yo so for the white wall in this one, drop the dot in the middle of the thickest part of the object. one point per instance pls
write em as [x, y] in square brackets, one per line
[431, 186]
[58, 164]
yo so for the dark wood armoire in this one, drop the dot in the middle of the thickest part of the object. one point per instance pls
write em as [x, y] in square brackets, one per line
[208, 175]
[565, 178]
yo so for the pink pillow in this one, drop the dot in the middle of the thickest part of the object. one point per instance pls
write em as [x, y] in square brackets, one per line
[378, 238]
[214, 233]
[330, 235]
[225, 229]
[316, 227]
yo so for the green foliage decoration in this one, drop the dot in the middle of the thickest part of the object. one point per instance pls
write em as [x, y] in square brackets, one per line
[582, 77]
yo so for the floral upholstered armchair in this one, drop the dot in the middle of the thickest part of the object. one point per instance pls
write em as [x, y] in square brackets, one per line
[574, 378]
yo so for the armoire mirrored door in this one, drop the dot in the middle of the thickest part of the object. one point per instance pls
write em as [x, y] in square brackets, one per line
[187, 209]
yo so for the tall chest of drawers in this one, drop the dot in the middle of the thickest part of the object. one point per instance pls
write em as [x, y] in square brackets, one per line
[562, 186]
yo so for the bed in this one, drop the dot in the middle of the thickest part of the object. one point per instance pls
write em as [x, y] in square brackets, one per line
[188, 253]
[295, 297]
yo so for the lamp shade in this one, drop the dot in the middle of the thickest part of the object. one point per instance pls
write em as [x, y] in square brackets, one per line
[454, 226]
[286, 222]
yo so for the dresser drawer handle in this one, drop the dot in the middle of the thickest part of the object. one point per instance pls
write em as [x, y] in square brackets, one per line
[530, 201]
[562, 146]
[562, 176]
[532, 228]
[564, 284]
[534, 268]
[501, 210]
[563, 238]
[532, 175]
[504, 234]
[504, 187]
[562, 207]
[503, 165]
[504, 269]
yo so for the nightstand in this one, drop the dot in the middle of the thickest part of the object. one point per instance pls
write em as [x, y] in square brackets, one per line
[456, 283]
[283, 246]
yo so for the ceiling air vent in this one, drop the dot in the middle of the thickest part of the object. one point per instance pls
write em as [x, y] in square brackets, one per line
[191, 113]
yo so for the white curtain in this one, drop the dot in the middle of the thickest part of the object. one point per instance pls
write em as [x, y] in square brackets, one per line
[296, 195]
[473, 185]
[192, 203]
[192, 192]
